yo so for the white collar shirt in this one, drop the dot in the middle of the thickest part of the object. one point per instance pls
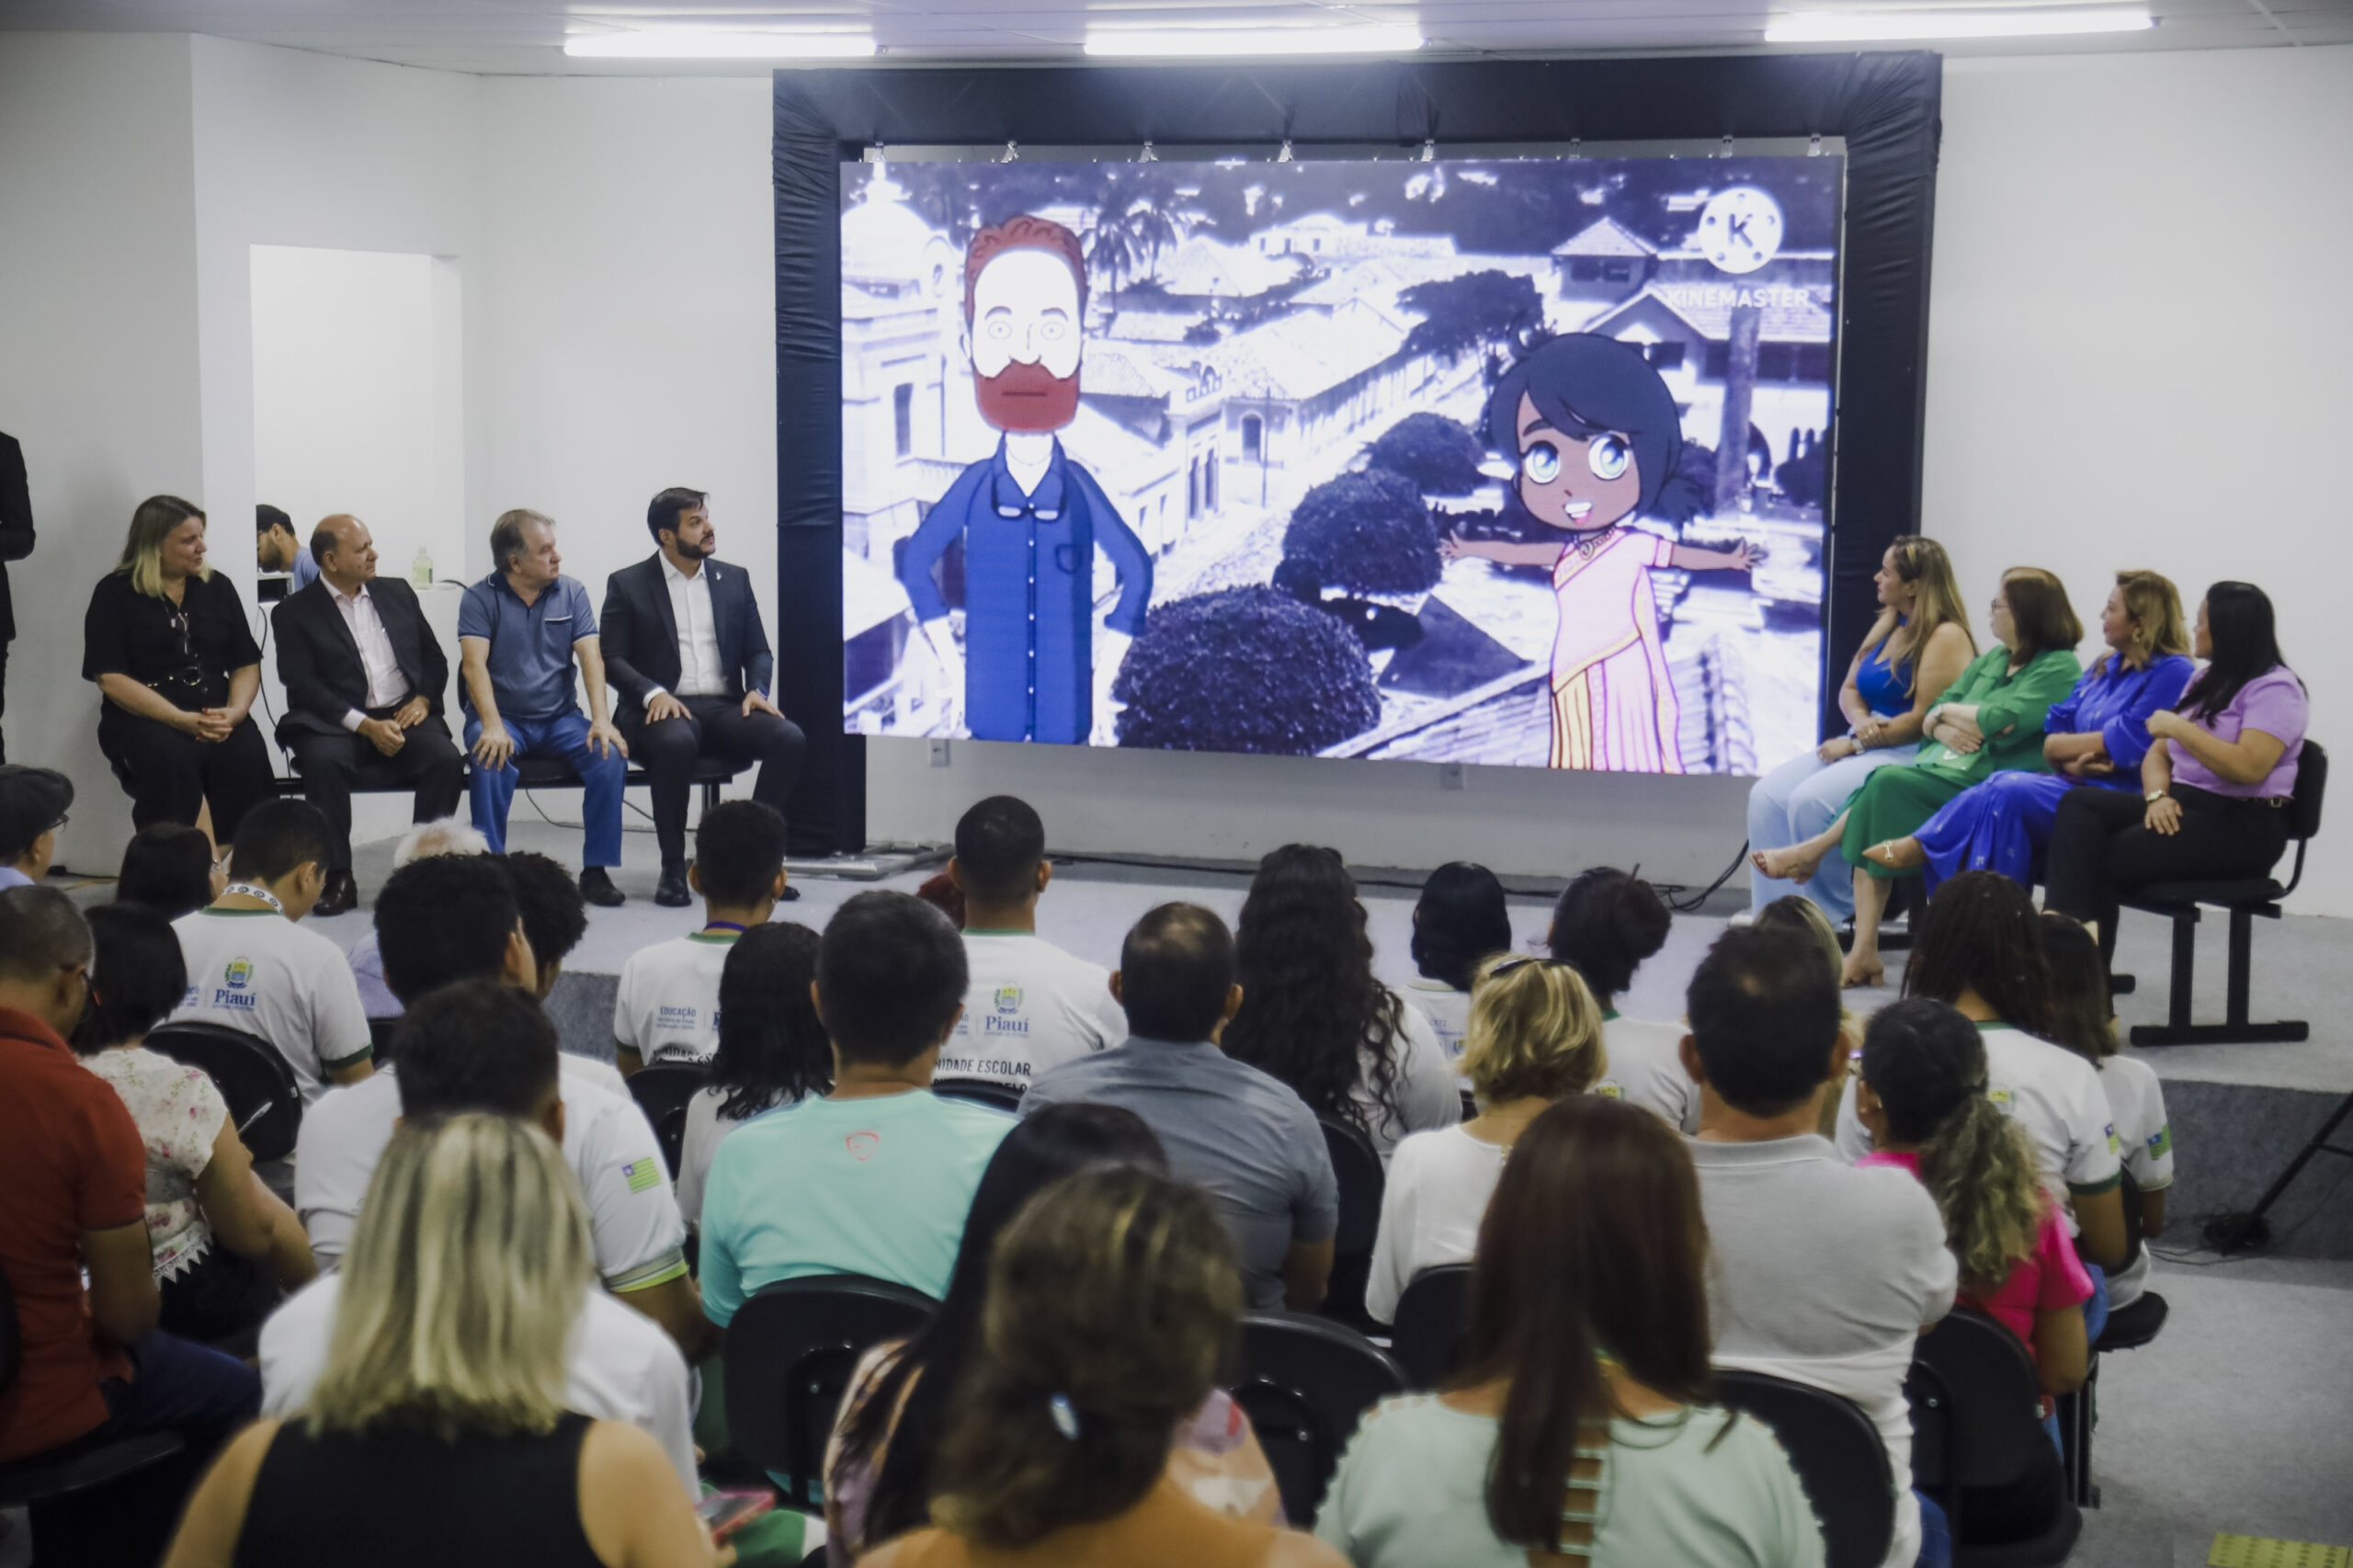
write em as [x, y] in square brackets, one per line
[387, 688]
[700, 674]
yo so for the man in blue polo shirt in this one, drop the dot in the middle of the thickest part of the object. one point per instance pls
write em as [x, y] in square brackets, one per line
[521, 630]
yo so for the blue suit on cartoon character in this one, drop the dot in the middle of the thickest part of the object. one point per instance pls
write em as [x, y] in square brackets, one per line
[1030, 517]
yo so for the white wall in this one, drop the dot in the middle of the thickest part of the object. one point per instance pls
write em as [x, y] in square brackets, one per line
[98, 376]
[2140, 343]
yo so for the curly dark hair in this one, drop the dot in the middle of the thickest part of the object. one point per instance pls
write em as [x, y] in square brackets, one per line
[1606, 923]
[1309, 1003]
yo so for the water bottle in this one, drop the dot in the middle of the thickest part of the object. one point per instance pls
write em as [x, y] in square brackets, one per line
[420, 571]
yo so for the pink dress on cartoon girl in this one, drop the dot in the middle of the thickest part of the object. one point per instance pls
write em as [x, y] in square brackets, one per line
[1613, 706]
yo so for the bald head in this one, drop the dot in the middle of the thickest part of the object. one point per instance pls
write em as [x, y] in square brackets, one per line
[345, 551]
[44, 956]
[1176, 974]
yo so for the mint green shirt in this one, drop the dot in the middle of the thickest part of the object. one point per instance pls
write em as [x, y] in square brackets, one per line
[877, 1187]
[1412, 1490]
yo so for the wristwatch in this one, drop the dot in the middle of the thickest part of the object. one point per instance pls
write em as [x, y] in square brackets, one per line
[2153, 796]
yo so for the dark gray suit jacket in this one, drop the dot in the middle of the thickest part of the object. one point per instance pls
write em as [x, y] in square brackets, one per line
[639, 633]
[319, 659]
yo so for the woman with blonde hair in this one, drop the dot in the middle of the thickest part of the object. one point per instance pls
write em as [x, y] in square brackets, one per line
[1988, 720]
[166, 641]
[1916, 649]
[2095, 737]
[438, 1431]
[1923, 1096]
[1536, 1037]
[1112, 1312]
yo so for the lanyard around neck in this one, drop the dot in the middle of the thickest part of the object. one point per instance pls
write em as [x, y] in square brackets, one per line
[250, 891]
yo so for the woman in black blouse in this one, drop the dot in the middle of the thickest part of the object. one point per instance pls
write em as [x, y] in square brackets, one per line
[168, 644]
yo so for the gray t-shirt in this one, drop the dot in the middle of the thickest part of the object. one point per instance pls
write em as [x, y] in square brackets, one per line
[1824, 1273]
[1242, 1136]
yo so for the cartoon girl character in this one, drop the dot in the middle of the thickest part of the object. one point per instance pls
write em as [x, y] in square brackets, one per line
[1598, 441]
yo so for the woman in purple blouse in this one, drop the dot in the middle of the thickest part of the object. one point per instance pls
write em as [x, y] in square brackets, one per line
[2212, 795]
[2097, 736]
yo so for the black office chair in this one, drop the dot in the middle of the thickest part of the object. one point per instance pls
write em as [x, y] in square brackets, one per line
[1305, 1383]
[1432, 1316]
[2128, 1328]
[662, 1092]
[789, 1352]
[1839, 1457]
[980, 1091]
[78, 1511]
[264, 1100]
[1977, 1421]
[1357, 1169]
[2245, 899]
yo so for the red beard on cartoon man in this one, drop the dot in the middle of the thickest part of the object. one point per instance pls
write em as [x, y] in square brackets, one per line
[1028, 397]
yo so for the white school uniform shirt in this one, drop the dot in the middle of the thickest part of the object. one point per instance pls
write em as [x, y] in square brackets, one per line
[2049, 1091]
[259, 971]
[620, 1366]
[1645, 1068]
[666, 1008]
[632, 1217]
[1448, 1011]
[1029, 1006]
[1422, 1082]
[699, 672]
[2136, 1104]
[1430, 1208]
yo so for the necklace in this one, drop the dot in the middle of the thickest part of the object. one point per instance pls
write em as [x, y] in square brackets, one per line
[1590, 545]
[250, 891]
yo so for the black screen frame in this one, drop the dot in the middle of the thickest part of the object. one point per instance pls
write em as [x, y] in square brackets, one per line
[1886, 107]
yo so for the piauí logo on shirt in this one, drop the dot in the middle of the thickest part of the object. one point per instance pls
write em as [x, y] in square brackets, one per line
[239, 975]
[1007, 998]
[236, 985]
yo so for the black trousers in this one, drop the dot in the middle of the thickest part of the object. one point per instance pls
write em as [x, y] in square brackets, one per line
[2100, 851]
[715, 726]
[221, 1298]
[333, 765]
[170, 775]
[3, 699]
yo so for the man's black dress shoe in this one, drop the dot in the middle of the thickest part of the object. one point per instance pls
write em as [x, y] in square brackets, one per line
[341, 897]
[597, 889]
[672, 892]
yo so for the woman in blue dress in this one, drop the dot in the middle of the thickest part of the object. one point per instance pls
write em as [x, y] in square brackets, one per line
[2096, 737]
[1916, 649]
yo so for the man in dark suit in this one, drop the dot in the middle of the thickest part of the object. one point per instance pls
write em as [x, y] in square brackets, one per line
[683, 646]
[364, 677]
[16, 543]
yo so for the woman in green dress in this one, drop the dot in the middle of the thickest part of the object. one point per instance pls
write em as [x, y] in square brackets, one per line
[1990, 721]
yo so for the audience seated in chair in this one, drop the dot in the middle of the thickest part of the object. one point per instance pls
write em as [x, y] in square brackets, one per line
[1244, 1137]
[251, 966]
[480, 1046]
[1110, 1314]
[1921, 1095]
[878, 1466]
[33, 802]
[1313, 1015]
[1980, 949]
[1606, 924]
[2082, 1018]
[1029, 1007]
[444, 1421]
[448, 836]
[225, 1246]
[666, 1008]
[1823, 1274]
[452, 917]
[1584, 1421]
[876, 1178]
[1794, 911]
[1536, 1037]
[92, 1367]
[772, 1051]
[1460, 922]
[169, 868]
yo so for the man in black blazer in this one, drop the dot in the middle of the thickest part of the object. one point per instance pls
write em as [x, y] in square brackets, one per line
[684, 647]
[364, 678]
[16, 543]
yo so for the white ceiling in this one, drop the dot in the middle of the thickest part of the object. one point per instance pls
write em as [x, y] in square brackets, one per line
[525, 36]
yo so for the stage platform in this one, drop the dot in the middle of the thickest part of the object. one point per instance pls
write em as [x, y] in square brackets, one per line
[2239, 1112]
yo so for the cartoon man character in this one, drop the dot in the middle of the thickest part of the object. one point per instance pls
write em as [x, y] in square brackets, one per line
[1031, 520]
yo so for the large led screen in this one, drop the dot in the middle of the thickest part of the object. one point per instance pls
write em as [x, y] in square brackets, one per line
[1513, 461]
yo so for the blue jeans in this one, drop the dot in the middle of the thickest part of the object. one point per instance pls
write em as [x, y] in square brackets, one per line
[180, 1386]
[1936, 1535]
[565, 735]
[2095, 1308]
[1798, 800]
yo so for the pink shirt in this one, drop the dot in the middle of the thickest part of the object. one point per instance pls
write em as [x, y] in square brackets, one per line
[2046, 1280]
[2273, 702]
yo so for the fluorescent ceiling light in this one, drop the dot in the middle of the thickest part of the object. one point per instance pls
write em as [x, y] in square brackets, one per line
[1874, 27]
[1196, 42]
[694, 43]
